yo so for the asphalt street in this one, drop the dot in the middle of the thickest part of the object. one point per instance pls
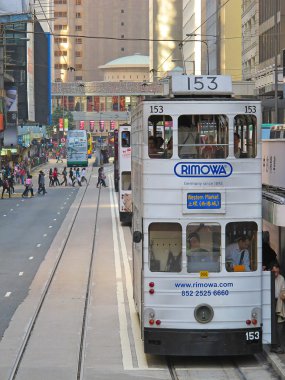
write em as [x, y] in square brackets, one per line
[27, 228]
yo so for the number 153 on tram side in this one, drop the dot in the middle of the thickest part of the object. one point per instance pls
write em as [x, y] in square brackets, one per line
[199, 288]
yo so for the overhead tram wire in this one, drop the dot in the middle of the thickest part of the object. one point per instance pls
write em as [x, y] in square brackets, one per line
[198, 27]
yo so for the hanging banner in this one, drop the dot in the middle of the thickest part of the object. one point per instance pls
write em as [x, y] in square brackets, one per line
[60, 124]
[91, 125]
[81, 124]
[101, 125]
[112, 125]
[65, 125]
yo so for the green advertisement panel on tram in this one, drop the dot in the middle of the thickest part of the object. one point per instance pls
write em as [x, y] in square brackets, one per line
[77, 148]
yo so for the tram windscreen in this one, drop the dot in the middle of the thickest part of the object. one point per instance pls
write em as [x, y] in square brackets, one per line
[126, 181]
[245, 136]
[160, 136]
[203, 136]
[203, 247]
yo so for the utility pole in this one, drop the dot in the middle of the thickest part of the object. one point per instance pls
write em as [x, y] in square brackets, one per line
[275, 65]
[2, 91]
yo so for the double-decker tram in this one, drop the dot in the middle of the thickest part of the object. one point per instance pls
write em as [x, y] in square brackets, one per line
[124, 171]
[116, 161]
[77, 147]
[199, 288]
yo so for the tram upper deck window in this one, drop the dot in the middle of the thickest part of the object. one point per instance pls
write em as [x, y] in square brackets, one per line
[241, 246]
[245, 132]
[126, 139]
[203, 136]
[160, 136]
[203, 247]
[165, 247]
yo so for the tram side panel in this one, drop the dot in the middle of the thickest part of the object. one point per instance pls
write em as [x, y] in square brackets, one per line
[174, 302]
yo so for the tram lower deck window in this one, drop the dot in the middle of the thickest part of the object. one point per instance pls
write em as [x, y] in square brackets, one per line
[165, 247]
[241, 246]
[203, 247]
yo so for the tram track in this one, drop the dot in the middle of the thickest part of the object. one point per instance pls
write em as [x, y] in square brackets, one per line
[33, 321]
[227, 368]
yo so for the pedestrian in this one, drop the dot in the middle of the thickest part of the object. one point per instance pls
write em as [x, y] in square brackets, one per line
[83, 175]
[78, 177]
[50, 178]
[64, 174]
[101, 177]
[279, 309]
[41, 183]
[6, 186]
[71, 177]
[28, 186]
[55, 177]
[11, 183]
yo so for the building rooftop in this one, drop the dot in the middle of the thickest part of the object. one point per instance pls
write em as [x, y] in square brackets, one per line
[131, 60]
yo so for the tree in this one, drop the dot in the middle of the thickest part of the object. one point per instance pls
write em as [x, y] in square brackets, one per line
[64, 114]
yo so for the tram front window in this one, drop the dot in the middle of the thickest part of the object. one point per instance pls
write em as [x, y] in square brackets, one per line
[245, 136]
[241, 247]
[160, 136]
[126, 139]
[203, 247]
[126, 181]
[165, 247]
[203, 136]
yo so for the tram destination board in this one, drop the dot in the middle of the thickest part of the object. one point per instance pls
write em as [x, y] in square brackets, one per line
[201, 85]
[204, 201]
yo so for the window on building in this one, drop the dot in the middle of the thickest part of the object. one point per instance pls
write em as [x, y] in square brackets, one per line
[78, 41]
[78, 66]
[78, 28]
[59, 66]
[56, 2]
[122, 49]
[122, 36]
[165, 247]
[78, 2]
[79, 77]
[122, 11]
[122, 23]
[60, 27]
[77, 15]
[60, 53]
[60, 14]
[78, 54]
[60, 40]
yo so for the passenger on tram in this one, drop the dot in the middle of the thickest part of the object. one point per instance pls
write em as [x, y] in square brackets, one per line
[196, 254]
[237, 255]
[152, 147]
[237, 150]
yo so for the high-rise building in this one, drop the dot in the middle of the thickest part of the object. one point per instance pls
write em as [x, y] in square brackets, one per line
[90, 33]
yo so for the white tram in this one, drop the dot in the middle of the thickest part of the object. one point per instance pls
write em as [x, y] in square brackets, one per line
[124, 171]
[199, 288]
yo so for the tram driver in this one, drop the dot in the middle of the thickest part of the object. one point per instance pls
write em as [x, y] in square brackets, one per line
[237, 255]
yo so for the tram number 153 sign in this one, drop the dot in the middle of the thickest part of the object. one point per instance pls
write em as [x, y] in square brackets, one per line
[204, 84]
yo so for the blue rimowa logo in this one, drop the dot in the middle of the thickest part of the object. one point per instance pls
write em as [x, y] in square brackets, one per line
[203, 169]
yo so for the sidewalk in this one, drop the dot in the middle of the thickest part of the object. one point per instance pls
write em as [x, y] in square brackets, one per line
[276, 360]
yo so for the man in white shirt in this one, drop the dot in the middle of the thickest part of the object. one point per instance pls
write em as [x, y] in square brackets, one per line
[238, 254]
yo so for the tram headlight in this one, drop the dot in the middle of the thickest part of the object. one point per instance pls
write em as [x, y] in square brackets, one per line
[203, 313]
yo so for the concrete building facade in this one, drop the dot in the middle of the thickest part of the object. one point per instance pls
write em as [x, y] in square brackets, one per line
[90, 33]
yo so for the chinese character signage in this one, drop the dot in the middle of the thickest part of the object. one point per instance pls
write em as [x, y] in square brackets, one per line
[203, 201]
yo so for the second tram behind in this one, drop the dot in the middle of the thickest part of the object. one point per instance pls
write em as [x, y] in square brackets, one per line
[124, 171]
[199, 288]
